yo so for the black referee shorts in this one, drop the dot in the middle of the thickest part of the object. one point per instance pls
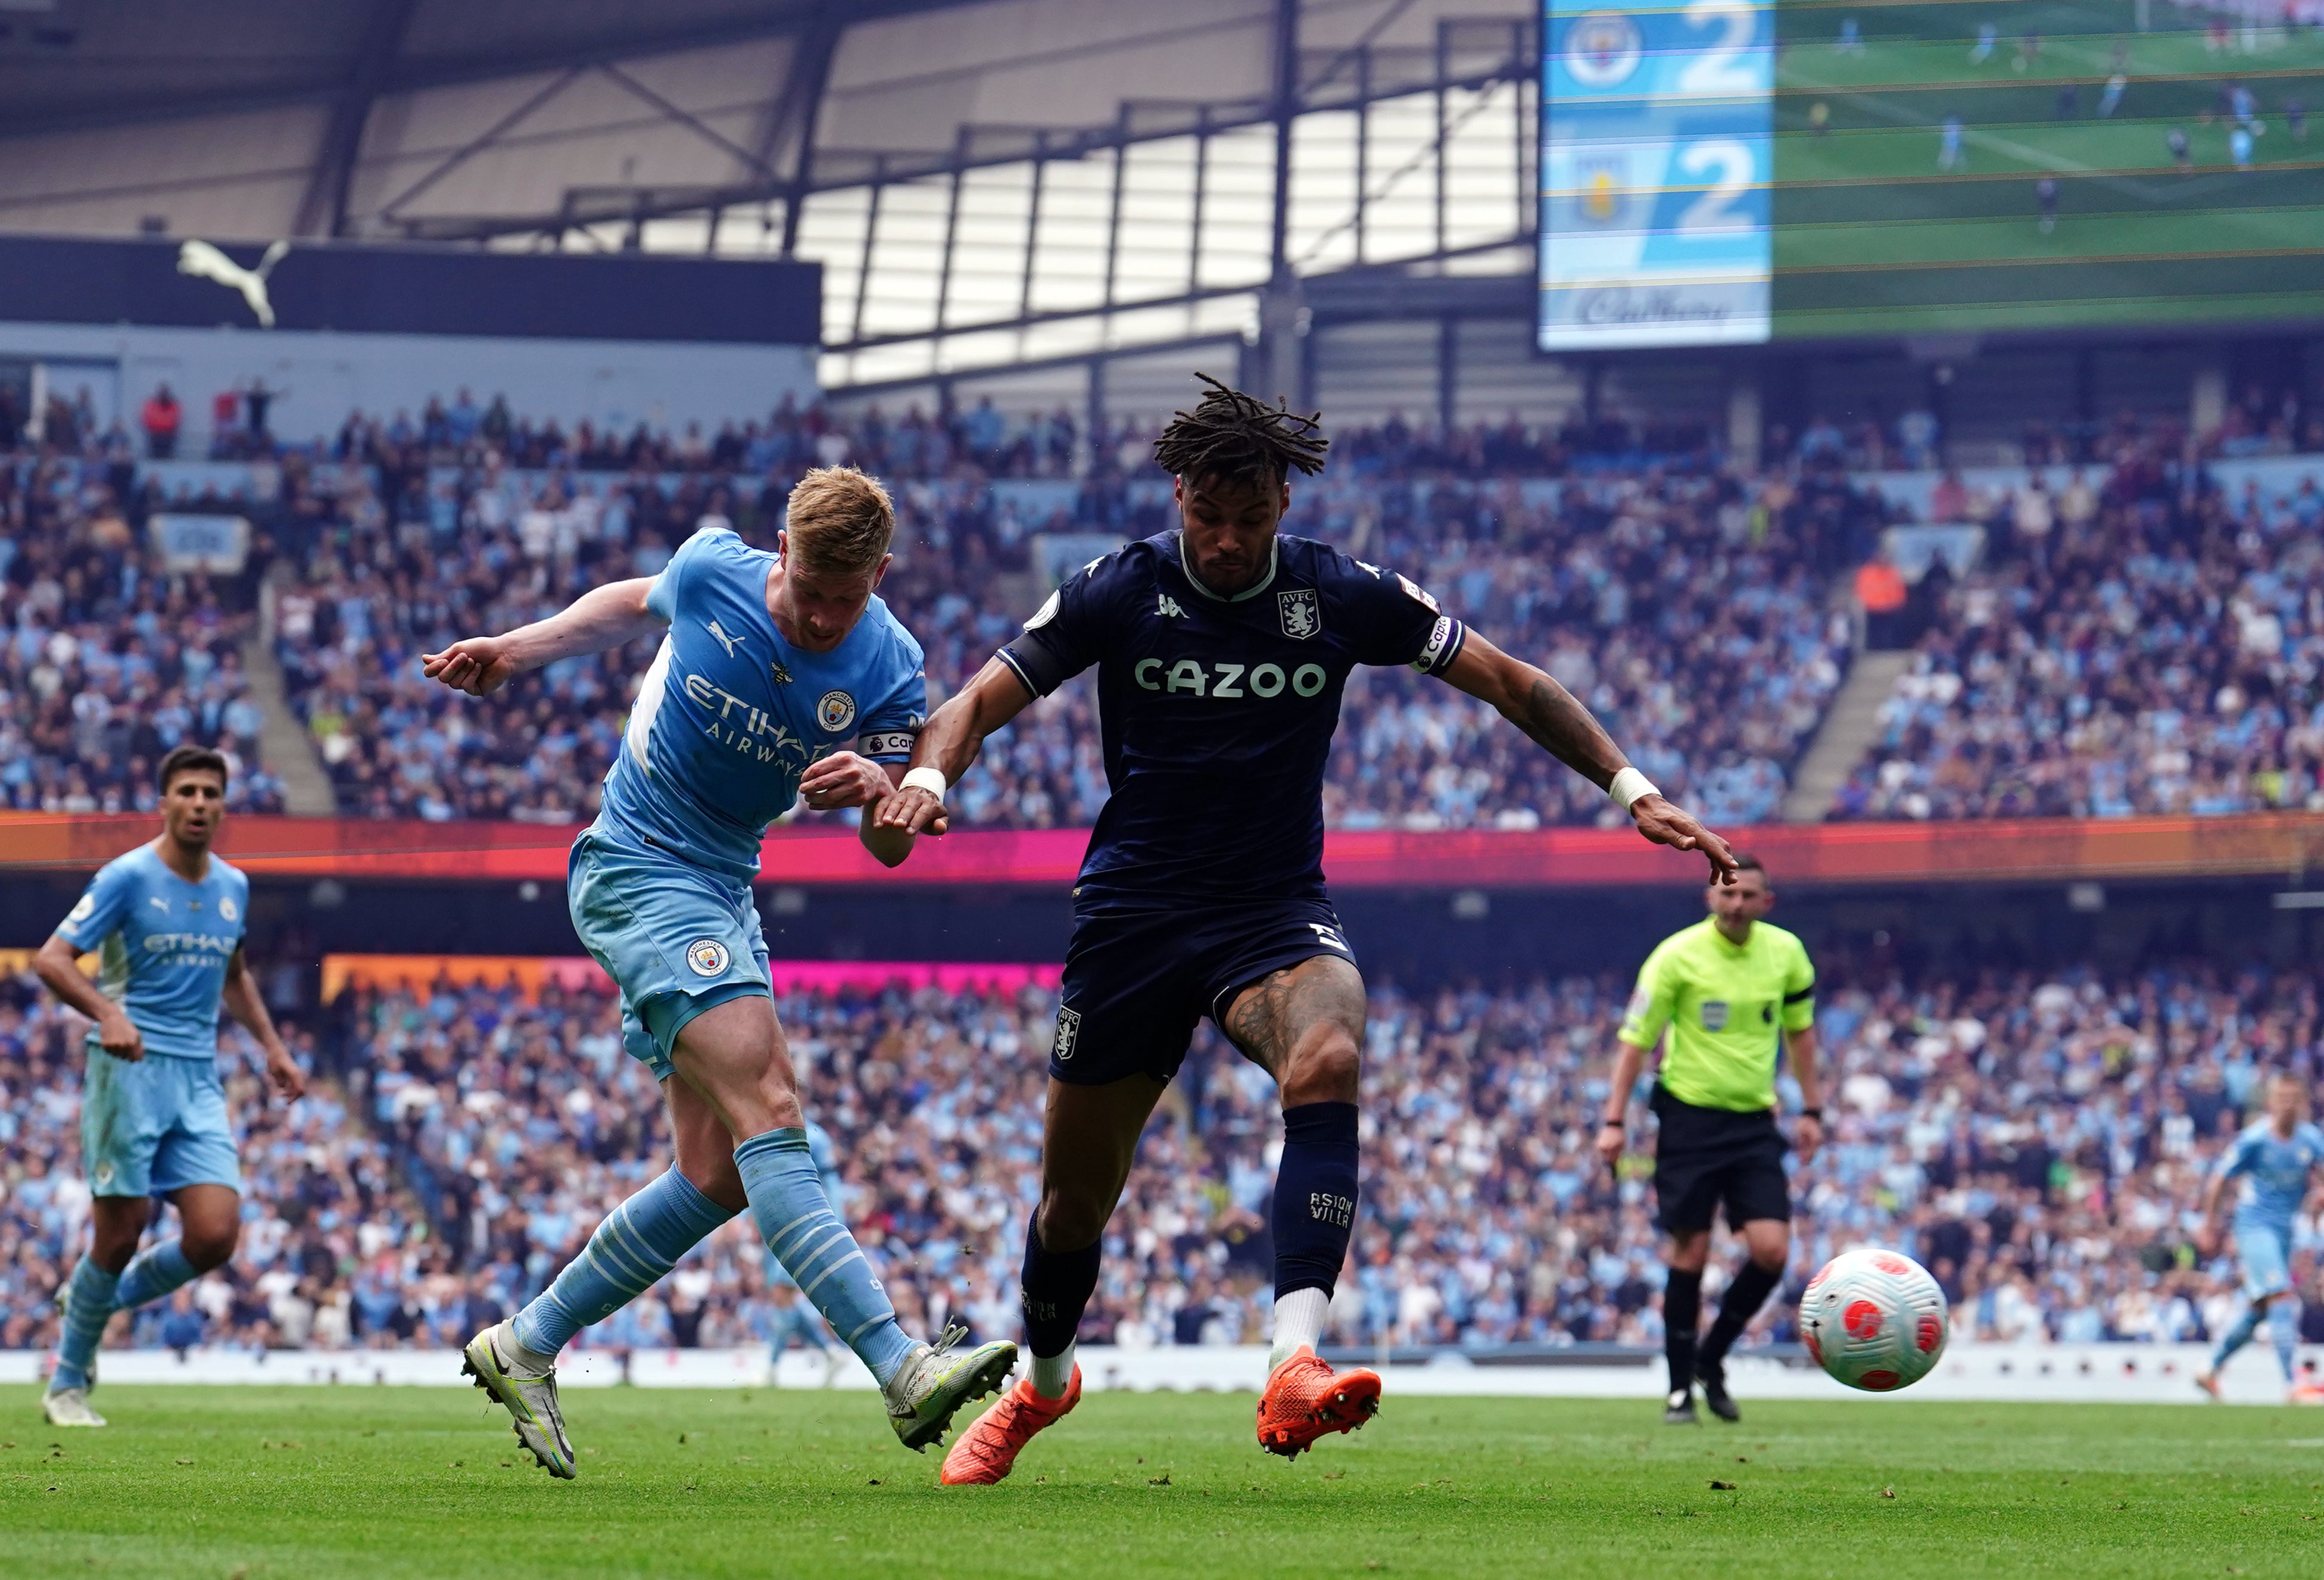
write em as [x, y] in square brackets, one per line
[1707, 1156]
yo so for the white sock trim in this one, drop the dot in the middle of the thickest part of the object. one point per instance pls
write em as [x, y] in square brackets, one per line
[1054, 1374]
[1299, 1318]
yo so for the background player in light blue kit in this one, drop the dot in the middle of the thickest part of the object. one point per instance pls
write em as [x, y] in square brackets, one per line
[166, 920]
[773, 664]
[2274, 1158]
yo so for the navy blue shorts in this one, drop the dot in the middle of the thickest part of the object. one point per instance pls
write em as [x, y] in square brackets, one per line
[1138, 981]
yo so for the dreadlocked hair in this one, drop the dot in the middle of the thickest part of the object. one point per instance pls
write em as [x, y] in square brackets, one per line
[1240, 439]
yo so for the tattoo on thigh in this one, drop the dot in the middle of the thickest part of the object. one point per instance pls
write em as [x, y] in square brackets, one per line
[1273, 1015]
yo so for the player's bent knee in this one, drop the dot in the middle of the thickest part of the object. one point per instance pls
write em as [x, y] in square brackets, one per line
[213, 1248]
[1070, 1222]
[1327, 1068]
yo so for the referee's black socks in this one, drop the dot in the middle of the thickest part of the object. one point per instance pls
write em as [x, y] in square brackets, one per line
[1682, 1310]
[1746, 1294]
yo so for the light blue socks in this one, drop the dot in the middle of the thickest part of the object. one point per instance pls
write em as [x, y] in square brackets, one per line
[795, 1218]
[2238, 1336]
[153, 1276]
[637, 1244]
[88, 1305]
[2284, 1327]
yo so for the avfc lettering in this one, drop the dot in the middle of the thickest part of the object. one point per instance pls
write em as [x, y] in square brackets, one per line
[1230, 682]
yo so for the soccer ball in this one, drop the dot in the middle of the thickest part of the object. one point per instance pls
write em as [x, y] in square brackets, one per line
[1874, 1320]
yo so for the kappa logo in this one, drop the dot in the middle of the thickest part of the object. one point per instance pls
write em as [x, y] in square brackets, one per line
[725, 641]
[1714, 1015]
[835, 710]
[1302, 611]
[1069, 1032]
[1169, 609]
[706, 957]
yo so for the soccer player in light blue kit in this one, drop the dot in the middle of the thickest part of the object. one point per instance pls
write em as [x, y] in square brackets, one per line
[2274, 1158]
[166, 922]
[772, 665]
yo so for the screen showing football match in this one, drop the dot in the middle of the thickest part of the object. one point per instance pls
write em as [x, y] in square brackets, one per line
[1725, 172]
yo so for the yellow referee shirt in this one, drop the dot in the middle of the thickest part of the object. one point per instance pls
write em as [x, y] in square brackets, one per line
[1727, 1006]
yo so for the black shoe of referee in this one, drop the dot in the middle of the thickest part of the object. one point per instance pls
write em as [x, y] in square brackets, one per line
[1680, 1411]
[1712, 1375]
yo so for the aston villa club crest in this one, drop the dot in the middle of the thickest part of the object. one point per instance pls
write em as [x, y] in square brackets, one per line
[1604, 178]
[1303, 615]
[1069, 1032]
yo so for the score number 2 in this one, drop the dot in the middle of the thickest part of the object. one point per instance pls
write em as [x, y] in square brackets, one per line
[1715, 69]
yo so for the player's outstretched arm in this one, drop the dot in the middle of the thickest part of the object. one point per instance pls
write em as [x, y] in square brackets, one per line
[58, 965]
[950, 742]
[241, 1001]
[604, 616]
[1561, 726]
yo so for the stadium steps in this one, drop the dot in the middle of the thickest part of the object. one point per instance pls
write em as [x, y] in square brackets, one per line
[284, 744]
[1847, 729]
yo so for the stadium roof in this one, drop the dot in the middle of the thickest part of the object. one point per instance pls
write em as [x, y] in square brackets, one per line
[1036, 172]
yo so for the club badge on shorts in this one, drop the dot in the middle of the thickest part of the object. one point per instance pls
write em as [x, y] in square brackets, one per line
[835, 710]
[706, 957]
[1069, 1032]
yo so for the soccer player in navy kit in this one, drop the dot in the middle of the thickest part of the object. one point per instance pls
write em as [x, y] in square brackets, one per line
[1222, 649]
[166, 923]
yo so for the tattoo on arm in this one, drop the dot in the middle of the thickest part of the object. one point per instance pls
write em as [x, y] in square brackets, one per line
[1560, 725]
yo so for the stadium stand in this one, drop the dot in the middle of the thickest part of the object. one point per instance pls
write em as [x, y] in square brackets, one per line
[2039, 1142]
[106, 659]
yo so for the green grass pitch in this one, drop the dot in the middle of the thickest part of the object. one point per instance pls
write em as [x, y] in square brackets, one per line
[1873, 237]
[250, 1483]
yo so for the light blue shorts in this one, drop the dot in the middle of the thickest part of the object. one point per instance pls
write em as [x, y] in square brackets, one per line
[2264, 1250]
[676, 939]
[151, 1127]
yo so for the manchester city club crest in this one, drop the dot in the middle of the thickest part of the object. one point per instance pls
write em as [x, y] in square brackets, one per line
[706, 957]
[1601, 49]
[834, 711]
[1303, 616]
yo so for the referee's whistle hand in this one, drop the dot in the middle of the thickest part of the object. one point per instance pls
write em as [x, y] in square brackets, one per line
[1609, 1144]
[1664, 824]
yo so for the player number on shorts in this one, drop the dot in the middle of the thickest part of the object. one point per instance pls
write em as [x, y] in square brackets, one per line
[1329, 937]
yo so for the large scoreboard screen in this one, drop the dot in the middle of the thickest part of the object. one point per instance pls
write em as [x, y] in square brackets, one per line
[1719, 171]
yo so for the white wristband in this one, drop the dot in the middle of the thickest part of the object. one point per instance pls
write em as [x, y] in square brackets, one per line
[931, 780]
[1628, 786]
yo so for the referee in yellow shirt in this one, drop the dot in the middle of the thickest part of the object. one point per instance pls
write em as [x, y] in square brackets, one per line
[1734, 992]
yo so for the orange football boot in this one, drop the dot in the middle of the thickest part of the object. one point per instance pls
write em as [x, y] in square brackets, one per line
[1306, 1400]
[987, 1451]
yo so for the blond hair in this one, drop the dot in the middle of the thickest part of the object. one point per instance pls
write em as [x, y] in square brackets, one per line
[840, 522]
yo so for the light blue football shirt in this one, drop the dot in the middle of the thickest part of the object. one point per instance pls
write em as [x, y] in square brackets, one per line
[163, 943]
[2275, 1170]
[729, 715]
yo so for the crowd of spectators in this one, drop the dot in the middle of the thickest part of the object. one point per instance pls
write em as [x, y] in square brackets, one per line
[2129, 643]
[2149, 649]
[333, 1249]
[2038, 1140]
[107, 659]
[1689, 606]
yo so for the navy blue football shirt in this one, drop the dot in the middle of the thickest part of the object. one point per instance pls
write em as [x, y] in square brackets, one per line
[1217, 713]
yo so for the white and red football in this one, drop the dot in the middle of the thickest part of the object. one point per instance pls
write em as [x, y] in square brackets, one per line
[1874, 1319]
